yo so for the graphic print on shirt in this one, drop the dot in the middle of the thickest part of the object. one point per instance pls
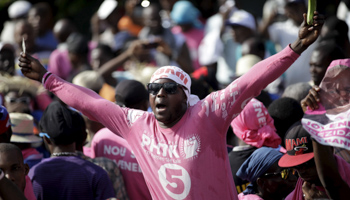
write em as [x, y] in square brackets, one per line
[121, 156]
[218, 100]
[133, 115]
[191, 147]
[175, 180]
[172, 152]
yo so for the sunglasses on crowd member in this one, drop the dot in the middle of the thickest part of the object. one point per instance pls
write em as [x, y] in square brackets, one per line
[284, 173]
[25, 100]
[170, 88]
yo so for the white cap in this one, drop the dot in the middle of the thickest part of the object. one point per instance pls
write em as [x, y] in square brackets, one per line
[242, 18]
[106, 8]
[18, 8]
[245, 63]
[89, 79]
[210, 48]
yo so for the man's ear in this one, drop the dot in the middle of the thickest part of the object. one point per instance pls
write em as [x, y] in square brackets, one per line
[47, 140]
[26, 169]
[260, 182]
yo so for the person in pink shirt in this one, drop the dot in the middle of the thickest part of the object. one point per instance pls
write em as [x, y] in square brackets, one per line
[181, 146]
[105, 143]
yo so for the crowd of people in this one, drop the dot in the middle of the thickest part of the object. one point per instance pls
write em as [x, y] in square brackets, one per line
[160, 101]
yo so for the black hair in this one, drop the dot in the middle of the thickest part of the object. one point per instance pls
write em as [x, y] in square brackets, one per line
[77, 44]
[330, 49]
[285, 112]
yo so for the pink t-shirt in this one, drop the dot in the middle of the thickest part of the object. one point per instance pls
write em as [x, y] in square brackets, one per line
[188, 160]
[193, 39]
[28, 190]
[241, 196]
[60, 64]
[107, 144]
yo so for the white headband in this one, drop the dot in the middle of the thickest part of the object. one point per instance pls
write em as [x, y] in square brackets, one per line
[177, 75]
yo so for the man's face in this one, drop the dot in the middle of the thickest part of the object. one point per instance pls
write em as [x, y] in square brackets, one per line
[318, 66]
[24, 30]
[7, 61]
[241, 33]
[168, 108]
[15, 102]
[151, 19]
[307, 171]
[14, 168]
[278, 182]
[98, 58]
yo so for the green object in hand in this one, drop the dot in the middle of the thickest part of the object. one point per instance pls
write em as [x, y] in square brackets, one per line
[310, 11]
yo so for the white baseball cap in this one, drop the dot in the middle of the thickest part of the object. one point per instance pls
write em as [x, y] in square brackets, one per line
[18, 8]
[242, 18]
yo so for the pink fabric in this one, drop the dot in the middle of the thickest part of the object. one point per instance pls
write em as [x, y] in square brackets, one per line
[43, 100]
[28, 190]
[107, 144]
[59, 63]
[87, 151]
[28, 152]
[344, 171]
[188, 160]
[193, 39]
[241, 196]
[255, 126]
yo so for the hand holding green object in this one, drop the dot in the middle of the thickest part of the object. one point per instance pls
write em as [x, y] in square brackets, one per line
[310, 11]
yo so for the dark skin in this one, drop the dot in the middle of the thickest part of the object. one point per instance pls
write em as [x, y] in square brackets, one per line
[7, 60]
[11, 163]
[32, 69]
[241, 33]
[273, 186]
[9, 191]
[152, 19]
[318, 66]
[62, 29]
[168, 108]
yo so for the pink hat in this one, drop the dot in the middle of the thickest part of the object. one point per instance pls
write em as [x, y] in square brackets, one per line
[255, 126]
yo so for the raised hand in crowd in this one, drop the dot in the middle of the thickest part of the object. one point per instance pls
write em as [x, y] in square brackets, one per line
[308, 33]
[312, 99]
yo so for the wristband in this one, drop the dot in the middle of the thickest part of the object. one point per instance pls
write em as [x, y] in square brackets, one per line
[2, 174]
[46, 75]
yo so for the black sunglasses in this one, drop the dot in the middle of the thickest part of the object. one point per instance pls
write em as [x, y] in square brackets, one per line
[170, 88]
[25, 100]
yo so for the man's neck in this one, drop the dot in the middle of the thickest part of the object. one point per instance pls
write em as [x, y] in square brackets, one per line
[63, 148]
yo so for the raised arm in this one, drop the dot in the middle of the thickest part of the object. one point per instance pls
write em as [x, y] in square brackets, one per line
[80, 98]
[327, 171]
[234, 97]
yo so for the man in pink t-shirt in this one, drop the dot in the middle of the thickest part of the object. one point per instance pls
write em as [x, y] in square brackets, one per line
[181, 146]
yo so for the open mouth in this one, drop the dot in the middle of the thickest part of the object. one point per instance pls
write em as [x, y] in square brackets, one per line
[160, 107]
